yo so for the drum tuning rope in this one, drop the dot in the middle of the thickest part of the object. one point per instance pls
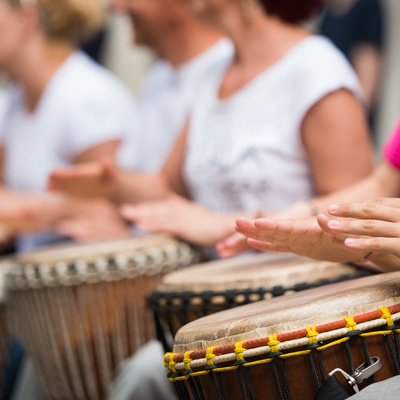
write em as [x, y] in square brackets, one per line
[312, 340]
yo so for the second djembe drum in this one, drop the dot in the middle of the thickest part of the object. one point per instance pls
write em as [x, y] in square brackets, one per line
[186, 295]
[292, 347]
[80, 311]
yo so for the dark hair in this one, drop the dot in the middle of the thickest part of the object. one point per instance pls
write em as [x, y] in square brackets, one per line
[292, 11]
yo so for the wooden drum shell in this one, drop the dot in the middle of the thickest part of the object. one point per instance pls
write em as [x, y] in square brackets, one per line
[343, 314]
[80, 317]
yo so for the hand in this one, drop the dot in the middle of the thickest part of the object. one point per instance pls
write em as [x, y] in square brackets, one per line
[94, 220]
[232, 245]
[28, 212]
[373, 226]
[300, 236]
[182, 218]
[237, 243]
[92, 179]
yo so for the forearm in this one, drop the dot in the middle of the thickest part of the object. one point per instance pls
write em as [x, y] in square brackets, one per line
[383, 182]
[135, 188]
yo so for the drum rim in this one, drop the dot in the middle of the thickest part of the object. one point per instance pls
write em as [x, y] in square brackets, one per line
[201, 277]
[215, 355]
[146, 257]
[154, 300]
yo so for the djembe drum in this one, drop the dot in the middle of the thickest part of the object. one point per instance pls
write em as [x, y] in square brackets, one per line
[286, 347]
[81, 310]
[184, 296]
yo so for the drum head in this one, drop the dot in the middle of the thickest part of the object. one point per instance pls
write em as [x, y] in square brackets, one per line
[288, 314]
[255, 271]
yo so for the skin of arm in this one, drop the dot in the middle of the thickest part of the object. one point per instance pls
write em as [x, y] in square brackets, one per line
[336, 136]
[367, 62]
[105, 179]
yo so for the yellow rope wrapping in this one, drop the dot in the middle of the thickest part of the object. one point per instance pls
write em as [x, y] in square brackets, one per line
[351, 325]
[387, 315]
[312, 334]
[171, 366]
[210, 356]
[239, 350]
[273, 343]
[187, 360]
[377, 333]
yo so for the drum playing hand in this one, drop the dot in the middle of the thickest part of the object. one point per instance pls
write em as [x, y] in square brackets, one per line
[25, 212]
[92, 179]
[300, 236]
[94, 220]
[232, 246]
[373, 226]
[182, 218]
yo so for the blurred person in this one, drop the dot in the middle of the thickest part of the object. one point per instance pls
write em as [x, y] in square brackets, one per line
[356, 27]
[367, 230]
[62, 108]
[280, 122]
[188, 54]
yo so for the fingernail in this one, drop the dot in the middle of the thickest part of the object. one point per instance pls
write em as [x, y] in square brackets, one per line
[333, 208]
[333, 223]
[350, 242]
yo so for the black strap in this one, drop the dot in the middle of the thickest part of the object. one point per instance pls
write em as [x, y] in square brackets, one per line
[331, 389]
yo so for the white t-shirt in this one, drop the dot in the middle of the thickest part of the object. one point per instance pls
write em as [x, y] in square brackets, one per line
[83, 106]
[164, 105]
[244, 153]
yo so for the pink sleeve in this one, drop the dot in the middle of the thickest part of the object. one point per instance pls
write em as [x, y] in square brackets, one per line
[391, 151]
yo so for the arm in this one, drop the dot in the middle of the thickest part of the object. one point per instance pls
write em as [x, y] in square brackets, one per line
[367, 62]
[336, 137]
[105, 179]
[101, 151]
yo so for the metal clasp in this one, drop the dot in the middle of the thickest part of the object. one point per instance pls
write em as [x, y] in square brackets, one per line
[363, 372]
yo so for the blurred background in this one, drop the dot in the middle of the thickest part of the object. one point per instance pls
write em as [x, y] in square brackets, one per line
[131, 63]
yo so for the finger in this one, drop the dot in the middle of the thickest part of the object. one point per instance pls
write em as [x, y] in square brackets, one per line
[381, 245]
[231, 246]
[376, 209]
[367, 227]
[265, 246]
[245, 224]
[325, 222]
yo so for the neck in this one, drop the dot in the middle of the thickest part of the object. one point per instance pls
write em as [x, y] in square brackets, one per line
[260, 39]
[192, 39]
[37, 64]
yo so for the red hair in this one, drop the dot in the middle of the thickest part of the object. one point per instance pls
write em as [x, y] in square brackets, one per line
[292, 11]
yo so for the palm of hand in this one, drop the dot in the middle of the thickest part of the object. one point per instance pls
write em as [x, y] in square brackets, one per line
[303, 237]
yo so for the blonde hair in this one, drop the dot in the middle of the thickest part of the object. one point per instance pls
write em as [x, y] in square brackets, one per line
[67, 20]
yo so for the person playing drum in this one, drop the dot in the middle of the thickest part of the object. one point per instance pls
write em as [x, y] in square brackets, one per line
[365, 230]
[281, 123]
[62, 108]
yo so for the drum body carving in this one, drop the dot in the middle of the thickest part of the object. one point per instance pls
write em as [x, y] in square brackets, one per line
[81, 310]
[285, 348]
[184, 296]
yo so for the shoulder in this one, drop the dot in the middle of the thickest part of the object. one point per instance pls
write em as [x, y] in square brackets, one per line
[319, 62]
[316, 51]
[83, 81]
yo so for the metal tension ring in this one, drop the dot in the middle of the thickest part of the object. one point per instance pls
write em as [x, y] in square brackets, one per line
[363, 372]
